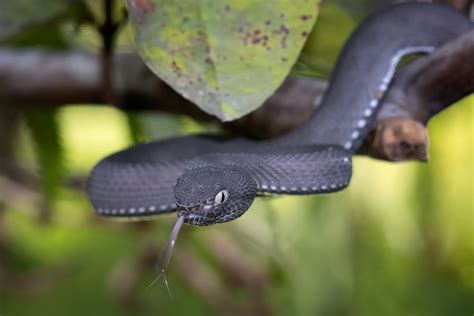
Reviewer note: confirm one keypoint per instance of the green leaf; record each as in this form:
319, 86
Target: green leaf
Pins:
45, 132
18, 15
225, 56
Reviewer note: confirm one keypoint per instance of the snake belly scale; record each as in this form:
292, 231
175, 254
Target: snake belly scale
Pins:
212, 179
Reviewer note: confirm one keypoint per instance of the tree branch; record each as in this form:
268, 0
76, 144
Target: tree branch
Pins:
421, 90
36, 78
40, 78
108, 31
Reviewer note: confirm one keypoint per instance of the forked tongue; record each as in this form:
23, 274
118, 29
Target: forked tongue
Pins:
166, 254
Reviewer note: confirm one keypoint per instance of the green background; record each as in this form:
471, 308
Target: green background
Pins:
398, 241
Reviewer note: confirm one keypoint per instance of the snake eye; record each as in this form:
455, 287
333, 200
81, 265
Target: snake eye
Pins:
221, 197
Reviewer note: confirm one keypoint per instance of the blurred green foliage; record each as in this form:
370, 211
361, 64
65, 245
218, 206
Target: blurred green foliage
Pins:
16, 16
399, 241
48, 150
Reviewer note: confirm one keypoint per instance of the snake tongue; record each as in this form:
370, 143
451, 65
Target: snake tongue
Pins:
166, 257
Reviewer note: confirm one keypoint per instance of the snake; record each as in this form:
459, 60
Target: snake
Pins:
209, 179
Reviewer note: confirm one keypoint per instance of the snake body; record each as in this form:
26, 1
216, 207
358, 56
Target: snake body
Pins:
212, 179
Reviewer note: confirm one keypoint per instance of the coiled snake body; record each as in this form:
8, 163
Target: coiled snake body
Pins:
214, 179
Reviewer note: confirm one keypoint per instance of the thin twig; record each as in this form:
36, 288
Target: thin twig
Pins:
108, 31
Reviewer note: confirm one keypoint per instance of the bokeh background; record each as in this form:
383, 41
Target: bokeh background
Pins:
398, 241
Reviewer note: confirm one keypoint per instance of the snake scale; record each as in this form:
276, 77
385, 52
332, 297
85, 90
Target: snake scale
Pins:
214, 179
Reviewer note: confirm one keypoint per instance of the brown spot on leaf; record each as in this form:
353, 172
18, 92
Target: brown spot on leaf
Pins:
284, 31
268, 22
304, 34
176, 69
255, 37
245, 38
305, 17
227, 8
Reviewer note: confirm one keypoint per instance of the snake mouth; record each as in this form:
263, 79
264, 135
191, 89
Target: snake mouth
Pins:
199, 214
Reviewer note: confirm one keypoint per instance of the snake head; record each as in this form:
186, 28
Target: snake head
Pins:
210, 195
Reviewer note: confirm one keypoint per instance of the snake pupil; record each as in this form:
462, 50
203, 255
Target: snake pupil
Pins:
221, 197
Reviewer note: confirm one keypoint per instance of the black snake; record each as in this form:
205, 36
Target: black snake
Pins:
212, 179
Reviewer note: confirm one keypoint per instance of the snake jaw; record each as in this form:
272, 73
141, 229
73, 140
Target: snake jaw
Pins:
196, 214
182, 211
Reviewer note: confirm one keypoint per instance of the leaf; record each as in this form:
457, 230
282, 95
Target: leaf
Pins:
44, 128
225, 56
18, 15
